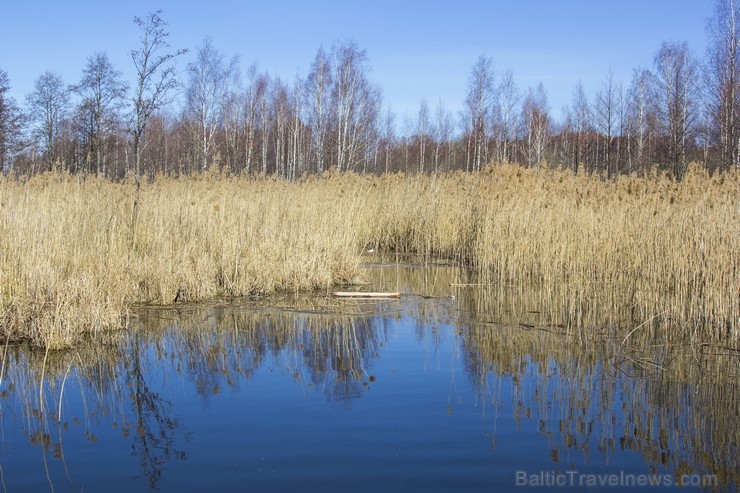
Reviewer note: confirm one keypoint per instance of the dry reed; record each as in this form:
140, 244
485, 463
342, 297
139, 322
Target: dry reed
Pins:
648, 248
69, 262
598, 253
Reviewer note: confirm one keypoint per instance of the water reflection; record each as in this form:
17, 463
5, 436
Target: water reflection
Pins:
590, 399
325, 347
595, 391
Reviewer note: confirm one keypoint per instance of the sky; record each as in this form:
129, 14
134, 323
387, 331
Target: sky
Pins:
417, 49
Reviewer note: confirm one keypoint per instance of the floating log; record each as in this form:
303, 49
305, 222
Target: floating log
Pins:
364, 294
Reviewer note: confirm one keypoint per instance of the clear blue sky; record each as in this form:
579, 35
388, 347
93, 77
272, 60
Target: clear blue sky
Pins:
421, 49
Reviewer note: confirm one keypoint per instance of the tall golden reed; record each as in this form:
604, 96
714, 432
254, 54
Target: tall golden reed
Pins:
69, 263
663, 251
648, 247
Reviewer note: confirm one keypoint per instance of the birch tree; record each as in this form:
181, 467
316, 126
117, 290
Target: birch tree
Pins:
423, 125
233, 124
355, 105
507, 117
640, 118
209, 81
479, 104
536, 116
297, 129
318, 88
280, 120
254, 115
676, 101
723, 80
263, 122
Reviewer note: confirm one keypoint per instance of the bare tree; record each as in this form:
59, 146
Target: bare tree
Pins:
676, 101
371, 130
155, 82
319, 84
209, 82
11, 124
536, 116
606, 112
479, 105
723, 80
582, 121
355, 106
388, 137
466, 132
263, 122
233, 123
423, 131
443, 130
102, 93
622, 123
407, 131
48, 107
640, 117
155, 78
280, 117
297, 129
254, 111
507, 116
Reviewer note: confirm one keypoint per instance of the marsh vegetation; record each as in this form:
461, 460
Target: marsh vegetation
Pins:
647, 252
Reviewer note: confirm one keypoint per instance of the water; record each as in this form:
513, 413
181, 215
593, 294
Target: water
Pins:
429, 393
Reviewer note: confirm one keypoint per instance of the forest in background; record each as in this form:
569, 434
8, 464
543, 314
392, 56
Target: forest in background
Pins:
215, 115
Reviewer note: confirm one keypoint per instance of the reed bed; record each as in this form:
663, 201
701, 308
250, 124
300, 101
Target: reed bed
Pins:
643, 252
72, 259
638, 251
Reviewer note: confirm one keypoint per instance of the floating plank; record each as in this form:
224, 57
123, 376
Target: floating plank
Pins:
480, 284
364, 294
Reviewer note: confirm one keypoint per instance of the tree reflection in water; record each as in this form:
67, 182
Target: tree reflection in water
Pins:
153, 440
675, 405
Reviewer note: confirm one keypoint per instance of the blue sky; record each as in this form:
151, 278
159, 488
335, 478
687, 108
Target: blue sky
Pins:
417, 49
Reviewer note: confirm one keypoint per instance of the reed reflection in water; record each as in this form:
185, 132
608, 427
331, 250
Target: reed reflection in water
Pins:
428, 392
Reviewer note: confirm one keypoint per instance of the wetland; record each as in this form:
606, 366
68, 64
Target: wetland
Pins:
456, 386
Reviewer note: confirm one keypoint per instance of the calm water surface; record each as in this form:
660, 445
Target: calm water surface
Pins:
309, 393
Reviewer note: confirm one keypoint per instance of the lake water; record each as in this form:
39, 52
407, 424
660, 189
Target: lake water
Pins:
450, 388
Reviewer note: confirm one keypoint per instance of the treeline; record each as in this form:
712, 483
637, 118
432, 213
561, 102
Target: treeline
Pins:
214, 115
